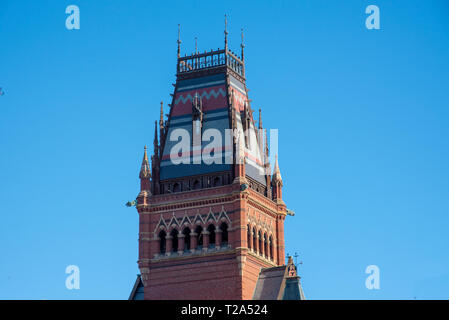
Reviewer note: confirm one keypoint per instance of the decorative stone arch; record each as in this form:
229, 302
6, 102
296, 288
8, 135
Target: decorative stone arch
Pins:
210, 217
173, 227
185, 221
199, 220
223, 217
173, 223
160, 224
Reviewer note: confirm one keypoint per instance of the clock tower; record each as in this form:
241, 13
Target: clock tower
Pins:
211, 213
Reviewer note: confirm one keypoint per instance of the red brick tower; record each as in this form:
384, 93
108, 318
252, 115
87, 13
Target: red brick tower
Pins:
211, 216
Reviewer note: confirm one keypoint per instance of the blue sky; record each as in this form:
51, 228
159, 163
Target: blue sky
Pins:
363, 119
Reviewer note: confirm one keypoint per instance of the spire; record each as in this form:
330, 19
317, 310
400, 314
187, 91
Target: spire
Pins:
226, 33
145, 169
196, 45
277, 183
179, 40
260, 118
161, 120
276, 171
155, 143
242, 45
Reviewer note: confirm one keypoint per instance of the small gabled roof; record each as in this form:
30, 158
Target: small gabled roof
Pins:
279, 283
269, 283
137, 291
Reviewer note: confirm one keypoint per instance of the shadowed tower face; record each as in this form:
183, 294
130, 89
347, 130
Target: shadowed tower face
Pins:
211, 215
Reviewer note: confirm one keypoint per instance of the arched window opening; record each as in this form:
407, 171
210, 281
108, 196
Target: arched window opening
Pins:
271, 247
224, 233
217, 182
186, 233
265, 245
211, 230
260, 242
254, 239
174, 235
199, 236
248, 236
162, 241
177, 187
196, 185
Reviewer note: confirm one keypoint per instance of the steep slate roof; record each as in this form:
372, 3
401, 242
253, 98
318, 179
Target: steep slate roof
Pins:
279, 283
137, 291
217, 78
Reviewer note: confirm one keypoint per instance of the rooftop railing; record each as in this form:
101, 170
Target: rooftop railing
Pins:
211, 59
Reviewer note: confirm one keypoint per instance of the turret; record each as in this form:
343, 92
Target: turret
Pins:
145, 174
276, 181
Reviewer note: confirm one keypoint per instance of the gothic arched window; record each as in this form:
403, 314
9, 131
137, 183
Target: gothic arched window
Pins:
260, 242
211, 230
174, 235
176, 187
271, 247
254, 239
196, 185
224, 233
186, 233
217, 182
162, 241
248, 236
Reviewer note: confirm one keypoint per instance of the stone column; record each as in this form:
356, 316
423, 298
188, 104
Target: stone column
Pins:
168, 245
205, 240
217, 237
251, 238
268, 249
256, 245
193, 242
262, 250
181, 243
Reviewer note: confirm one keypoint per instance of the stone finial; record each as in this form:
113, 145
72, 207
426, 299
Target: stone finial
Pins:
145, 172
276, 172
